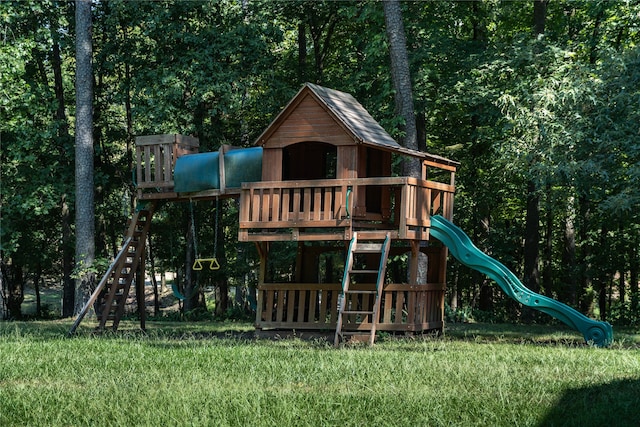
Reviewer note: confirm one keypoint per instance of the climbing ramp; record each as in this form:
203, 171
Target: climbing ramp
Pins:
461, 247
355, 303
110, 296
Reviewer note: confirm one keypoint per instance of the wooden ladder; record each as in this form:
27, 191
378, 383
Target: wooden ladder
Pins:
110, 296
349, 303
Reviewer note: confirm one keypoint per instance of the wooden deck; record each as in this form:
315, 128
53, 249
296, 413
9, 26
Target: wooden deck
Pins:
323, 210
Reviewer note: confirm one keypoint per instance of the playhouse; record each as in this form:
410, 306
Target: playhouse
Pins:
320, 177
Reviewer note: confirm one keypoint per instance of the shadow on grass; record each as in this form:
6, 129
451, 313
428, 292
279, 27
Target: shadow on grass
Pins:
611, 404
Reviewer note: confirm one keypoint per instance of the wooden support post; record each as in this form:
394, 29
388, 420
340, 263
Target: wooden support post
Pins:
263, 252
413, 262
140, 295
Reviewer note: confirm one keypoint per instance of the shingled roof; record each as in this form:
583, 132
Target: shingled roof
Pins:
354, 118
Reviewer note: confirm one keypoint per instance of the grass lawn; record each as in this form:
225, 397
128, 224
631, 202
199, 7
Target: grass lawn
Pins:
207, 374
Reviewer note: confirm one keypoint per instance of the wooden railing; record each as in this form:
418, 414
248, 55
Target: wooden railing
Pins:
156, 157
329, 209
411, 308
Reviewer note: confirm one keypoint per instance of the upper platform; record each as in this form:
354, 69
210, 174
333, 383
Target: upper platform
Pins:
321, 170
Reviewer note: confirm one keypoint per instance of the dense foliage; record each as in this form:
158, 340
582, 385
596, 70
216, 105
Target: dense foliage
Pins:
542, 114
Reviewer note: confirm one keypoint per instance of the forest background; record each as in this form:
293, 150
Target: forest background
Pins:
538, 100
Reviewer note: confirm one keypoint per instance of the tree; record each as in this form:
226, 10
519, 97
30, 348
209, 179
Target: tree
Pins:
35, 146
85, 215
401, 78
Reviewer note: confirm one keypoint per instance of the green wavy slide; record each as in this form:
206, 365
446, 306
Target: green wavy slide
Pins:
461, 247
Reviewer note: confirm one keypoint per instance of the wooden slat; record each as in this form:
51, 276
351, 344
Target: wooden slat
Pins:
158, 175
436, 202
334, 305
302, 297
280, 306
291, 304
366, 307
327, 212
275, 205
147, 164
269, 307
259, 305
313, 302
317, 204
388, 306
411, 307
338, 202
306, 209
245, 199
296, 204
399, 306
255, 205
265, 202
285, 205
324, 304
168, 163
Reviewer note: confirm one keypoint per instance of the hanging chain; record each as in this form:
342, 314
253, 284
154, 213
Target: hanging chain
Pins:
215, 233
193, 230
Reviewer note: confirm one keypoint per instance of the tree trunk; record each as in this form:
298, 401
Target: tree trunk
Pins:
302, 52
318, 26
36, 288
64, 139
532, 245
68, 283
85, 224
600, 280
478, 23
532, 231
154, 282
13, 289
539, 16
401, 76
3, 299
547, 270
568, 289
634, 266
585, 278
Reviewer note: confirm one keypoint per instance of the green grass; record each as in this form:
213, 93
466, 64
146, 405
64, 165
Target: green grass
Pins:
208, 374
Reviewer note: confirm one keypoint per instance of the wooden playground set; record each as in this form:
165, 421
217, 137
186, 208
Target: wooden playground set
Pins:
320, 175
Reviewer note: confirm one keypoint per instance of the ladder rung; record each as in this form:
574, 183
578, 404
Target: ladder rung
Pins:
363, 271
362, 248
361, 292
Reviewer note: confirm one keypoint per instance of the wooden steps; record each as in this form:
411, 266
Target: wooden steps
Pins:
110, 296
112, 300
354, 304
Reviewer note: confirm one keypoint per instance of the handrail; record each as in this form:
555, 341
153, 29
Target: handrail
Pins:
376, 181
101, 285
